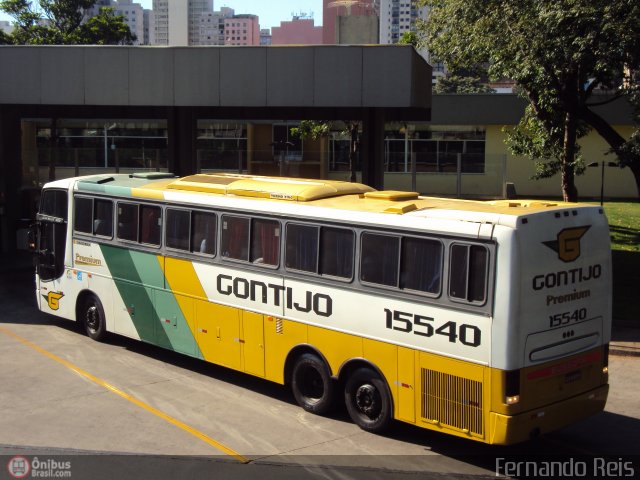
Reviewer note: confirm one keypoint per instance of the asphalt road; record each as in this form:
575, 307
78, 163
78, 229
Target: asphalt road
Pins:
123, 409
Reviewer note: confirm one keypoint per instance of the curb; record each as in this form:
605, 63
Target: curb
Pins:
624, 351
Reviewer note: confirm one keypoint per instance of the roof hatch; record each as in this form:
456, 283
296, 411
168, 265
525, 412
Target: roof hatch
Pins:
278, 188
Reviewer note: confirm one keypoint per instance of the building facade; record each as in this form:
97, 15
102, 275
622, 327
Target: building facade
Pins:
134, 15
242, 30
6, 27
212, 26
178, 22
332, 9
298, 31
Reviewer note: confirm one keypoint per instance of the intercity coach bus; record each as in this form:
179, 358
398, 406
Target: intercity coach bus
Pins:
485, 320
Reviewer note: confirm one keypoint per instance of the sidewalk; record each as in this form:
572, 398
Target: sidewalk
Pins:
625, 340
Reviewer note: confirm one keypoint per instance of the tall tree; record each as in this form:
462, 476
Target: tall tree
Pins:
62, 22
558, 52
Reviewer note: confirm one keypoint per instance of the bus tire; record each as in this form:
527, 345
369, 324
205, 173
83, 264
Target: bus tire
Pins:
368, 400
312, 385
93, 319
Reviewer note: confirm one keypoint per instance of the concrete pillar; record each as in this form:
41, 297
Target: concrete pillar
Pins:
372, 148
182, 130
10, 176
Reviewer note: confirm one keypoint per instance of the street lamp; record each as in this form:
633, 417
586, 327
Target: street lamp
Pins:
603, 164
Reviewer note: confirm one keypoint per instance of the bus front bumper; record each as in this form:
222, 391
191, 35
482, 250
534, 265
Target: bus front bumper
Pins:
507, 430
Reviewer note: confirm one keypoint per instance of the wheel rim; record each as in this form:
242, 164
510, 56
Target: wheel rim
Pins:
368, 401
311, 384
93, 318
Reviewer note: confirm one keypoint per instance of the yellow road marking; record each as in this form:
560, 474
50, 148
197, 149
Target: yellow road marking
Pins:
168, 418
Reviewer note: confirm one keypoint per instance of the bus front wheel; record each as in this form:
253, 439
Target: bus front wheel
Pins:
312, 385
93, 319
368, 400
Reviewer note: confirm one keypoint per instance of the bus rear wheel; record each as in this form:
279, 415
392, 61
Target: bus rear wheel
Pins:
312, 385
368, 400
93, 319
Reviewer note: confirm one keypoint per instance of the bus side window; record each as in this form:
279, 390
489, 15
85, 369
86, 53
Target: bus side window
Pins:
103, 218
235, 237
150, 224
421, 266
336, 252
302, 247
203, 237
128, 221
83, 210
379, 259
468, 273
178, 229
265, 241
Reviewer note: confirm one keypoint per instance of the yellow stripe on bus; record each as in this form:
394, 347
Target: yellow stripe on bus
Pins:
168, 418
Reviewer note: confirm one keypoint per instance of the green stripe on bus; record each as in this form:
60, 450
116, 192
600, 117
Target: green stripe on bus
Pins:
137, 297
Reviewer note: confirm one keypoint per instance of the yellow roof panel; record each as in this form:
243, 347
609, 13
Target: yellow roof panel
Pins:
277, 188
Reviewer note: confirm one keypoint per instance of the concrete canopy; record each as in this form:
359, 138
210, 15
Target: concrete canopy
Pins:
371, 84
393, 78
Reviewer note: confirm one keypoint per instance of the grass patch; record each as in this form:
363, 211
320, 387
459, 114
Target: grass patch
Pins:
624, 224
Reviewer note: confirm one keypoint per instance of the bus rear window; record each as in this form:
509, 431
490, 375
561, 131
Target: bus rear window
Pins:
468, 273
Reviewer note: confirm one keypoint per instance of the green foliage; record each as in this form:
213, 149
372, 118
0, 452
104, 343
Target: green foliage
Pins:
107, 29
558, 52
5, 39
409, 38
311, 129
461, 84
61, 22
314, 129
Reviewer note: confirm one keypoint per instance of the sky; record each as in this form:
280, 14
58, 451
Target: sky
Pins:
271, 12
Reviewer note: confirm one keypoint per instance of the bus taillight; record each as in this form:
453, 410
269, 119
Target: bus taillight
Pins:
512, 387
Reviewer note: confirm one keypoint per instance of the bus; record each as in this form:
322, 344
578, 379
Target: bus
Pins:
486, 320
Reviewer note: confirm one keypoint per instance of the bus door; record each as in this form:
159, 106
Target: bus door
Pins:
51, 234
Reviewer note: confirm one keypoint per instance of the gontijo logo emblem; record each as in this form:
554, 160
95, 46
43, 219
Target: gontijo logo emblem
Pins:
53, 299
567, 244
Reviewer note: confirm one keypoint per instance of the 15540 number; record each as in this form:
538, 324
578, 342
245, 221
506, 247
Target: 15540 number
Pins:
469, 335
567, 317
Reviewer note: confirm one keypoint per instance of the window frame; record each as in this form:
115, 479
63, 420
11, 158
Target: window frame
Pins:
398, 288
250, 219
319, 228
93, 201
137, 223
138, 240
466, 301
